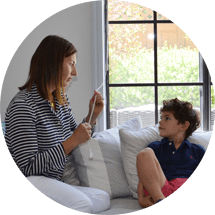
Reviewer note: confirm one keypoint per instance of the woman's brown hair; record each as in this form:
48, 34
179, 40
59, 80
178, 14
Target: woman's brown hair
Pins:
46, 67
183, 111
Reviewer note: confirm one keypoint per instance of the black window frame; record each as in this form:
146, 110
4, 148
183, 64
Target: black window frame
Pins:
205, 99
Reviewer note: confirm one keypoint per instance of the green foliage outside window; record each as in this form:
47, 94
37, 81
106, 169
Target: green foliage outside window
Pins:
174, 65
130, 62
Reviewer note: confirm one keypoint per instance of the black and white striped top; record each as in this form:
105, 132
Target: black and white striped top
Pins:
35, 132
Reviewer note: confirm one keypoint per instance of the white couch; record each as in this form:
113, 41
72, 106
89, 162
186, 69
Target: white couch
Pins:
112, 170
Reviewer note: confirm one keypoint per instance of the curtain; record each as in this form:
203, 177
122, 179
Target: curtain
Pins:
98, 56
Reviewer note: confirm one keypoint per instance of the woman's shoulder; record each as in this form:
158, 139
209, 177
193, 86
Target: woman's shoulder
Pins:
18, 100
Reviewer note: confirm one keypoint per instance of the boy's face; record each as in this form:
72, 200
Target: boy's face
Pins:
169, 126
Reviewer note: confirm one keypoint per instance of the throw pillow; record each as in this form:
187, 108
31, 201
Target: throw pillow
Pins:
201, 138
132, 142
69, 174
105, 171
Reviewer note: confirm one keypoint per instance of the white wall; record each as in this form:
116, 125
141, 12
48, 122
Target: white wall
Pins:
74, 24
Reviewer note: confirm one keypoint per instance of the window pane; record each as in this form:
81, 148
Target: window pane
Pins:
184, 93
131, 54
129, 102
121, 10
178, 57
161, 17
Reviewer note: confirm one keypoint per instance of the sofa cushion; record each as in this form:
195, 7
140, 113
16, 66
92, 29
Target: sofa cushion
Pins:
69, 173
132, 142
201, 138
123, 206
105, 171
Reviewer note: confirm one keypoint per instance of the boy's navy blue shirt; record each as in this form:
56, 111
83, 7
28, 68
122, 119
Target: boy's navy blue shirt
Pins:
180, 163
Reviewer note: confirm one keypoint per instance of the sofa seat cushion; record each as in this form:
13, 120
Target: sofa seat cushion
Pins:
123, 205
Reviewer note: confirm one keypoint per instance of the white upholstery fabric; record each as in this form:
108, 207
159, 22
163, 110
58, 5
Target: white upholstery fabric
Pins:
132, 142
106, 170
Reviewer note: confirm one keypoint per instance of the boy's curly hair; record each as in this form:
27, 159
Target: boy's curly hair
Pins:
183, 111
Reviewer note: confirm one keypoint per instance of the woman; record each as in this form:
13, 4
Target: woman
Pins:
40, 128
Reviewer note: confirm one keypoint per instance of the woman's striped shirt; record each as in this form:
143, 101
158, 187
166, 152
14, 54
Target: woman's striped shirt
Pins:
35, 133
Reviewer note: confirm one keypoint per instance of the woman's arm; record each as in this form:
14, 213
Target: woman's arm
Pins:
22, 140
73, 122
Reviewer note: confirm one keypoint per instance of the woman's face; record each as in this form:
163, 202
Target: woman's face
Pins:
69, 69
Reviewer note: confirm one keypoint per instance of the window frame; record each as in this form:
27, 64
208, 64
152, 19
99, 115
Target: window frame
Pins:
205, 98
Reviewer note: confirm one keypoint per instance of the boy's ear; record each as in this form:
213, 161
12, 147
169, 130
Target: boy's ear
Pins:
185, 125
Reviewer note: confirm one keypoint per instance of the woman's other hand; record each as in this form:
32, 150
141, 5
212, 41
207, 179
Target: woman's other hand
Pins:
99, 105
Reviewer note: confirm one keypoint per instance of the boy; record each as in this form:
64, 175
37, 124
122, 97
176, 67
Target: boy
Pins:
165, 165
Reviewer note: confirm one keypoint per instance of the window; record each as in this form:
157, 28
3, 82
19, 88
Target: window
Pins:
150, 60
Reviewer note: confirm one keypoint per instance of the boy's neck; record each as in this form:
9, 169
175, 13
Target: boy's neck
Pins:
177, 141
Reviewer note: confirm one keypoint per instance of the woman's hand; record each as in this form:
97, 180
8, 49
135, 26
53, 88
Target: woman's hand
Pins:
81, 134
99, 105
